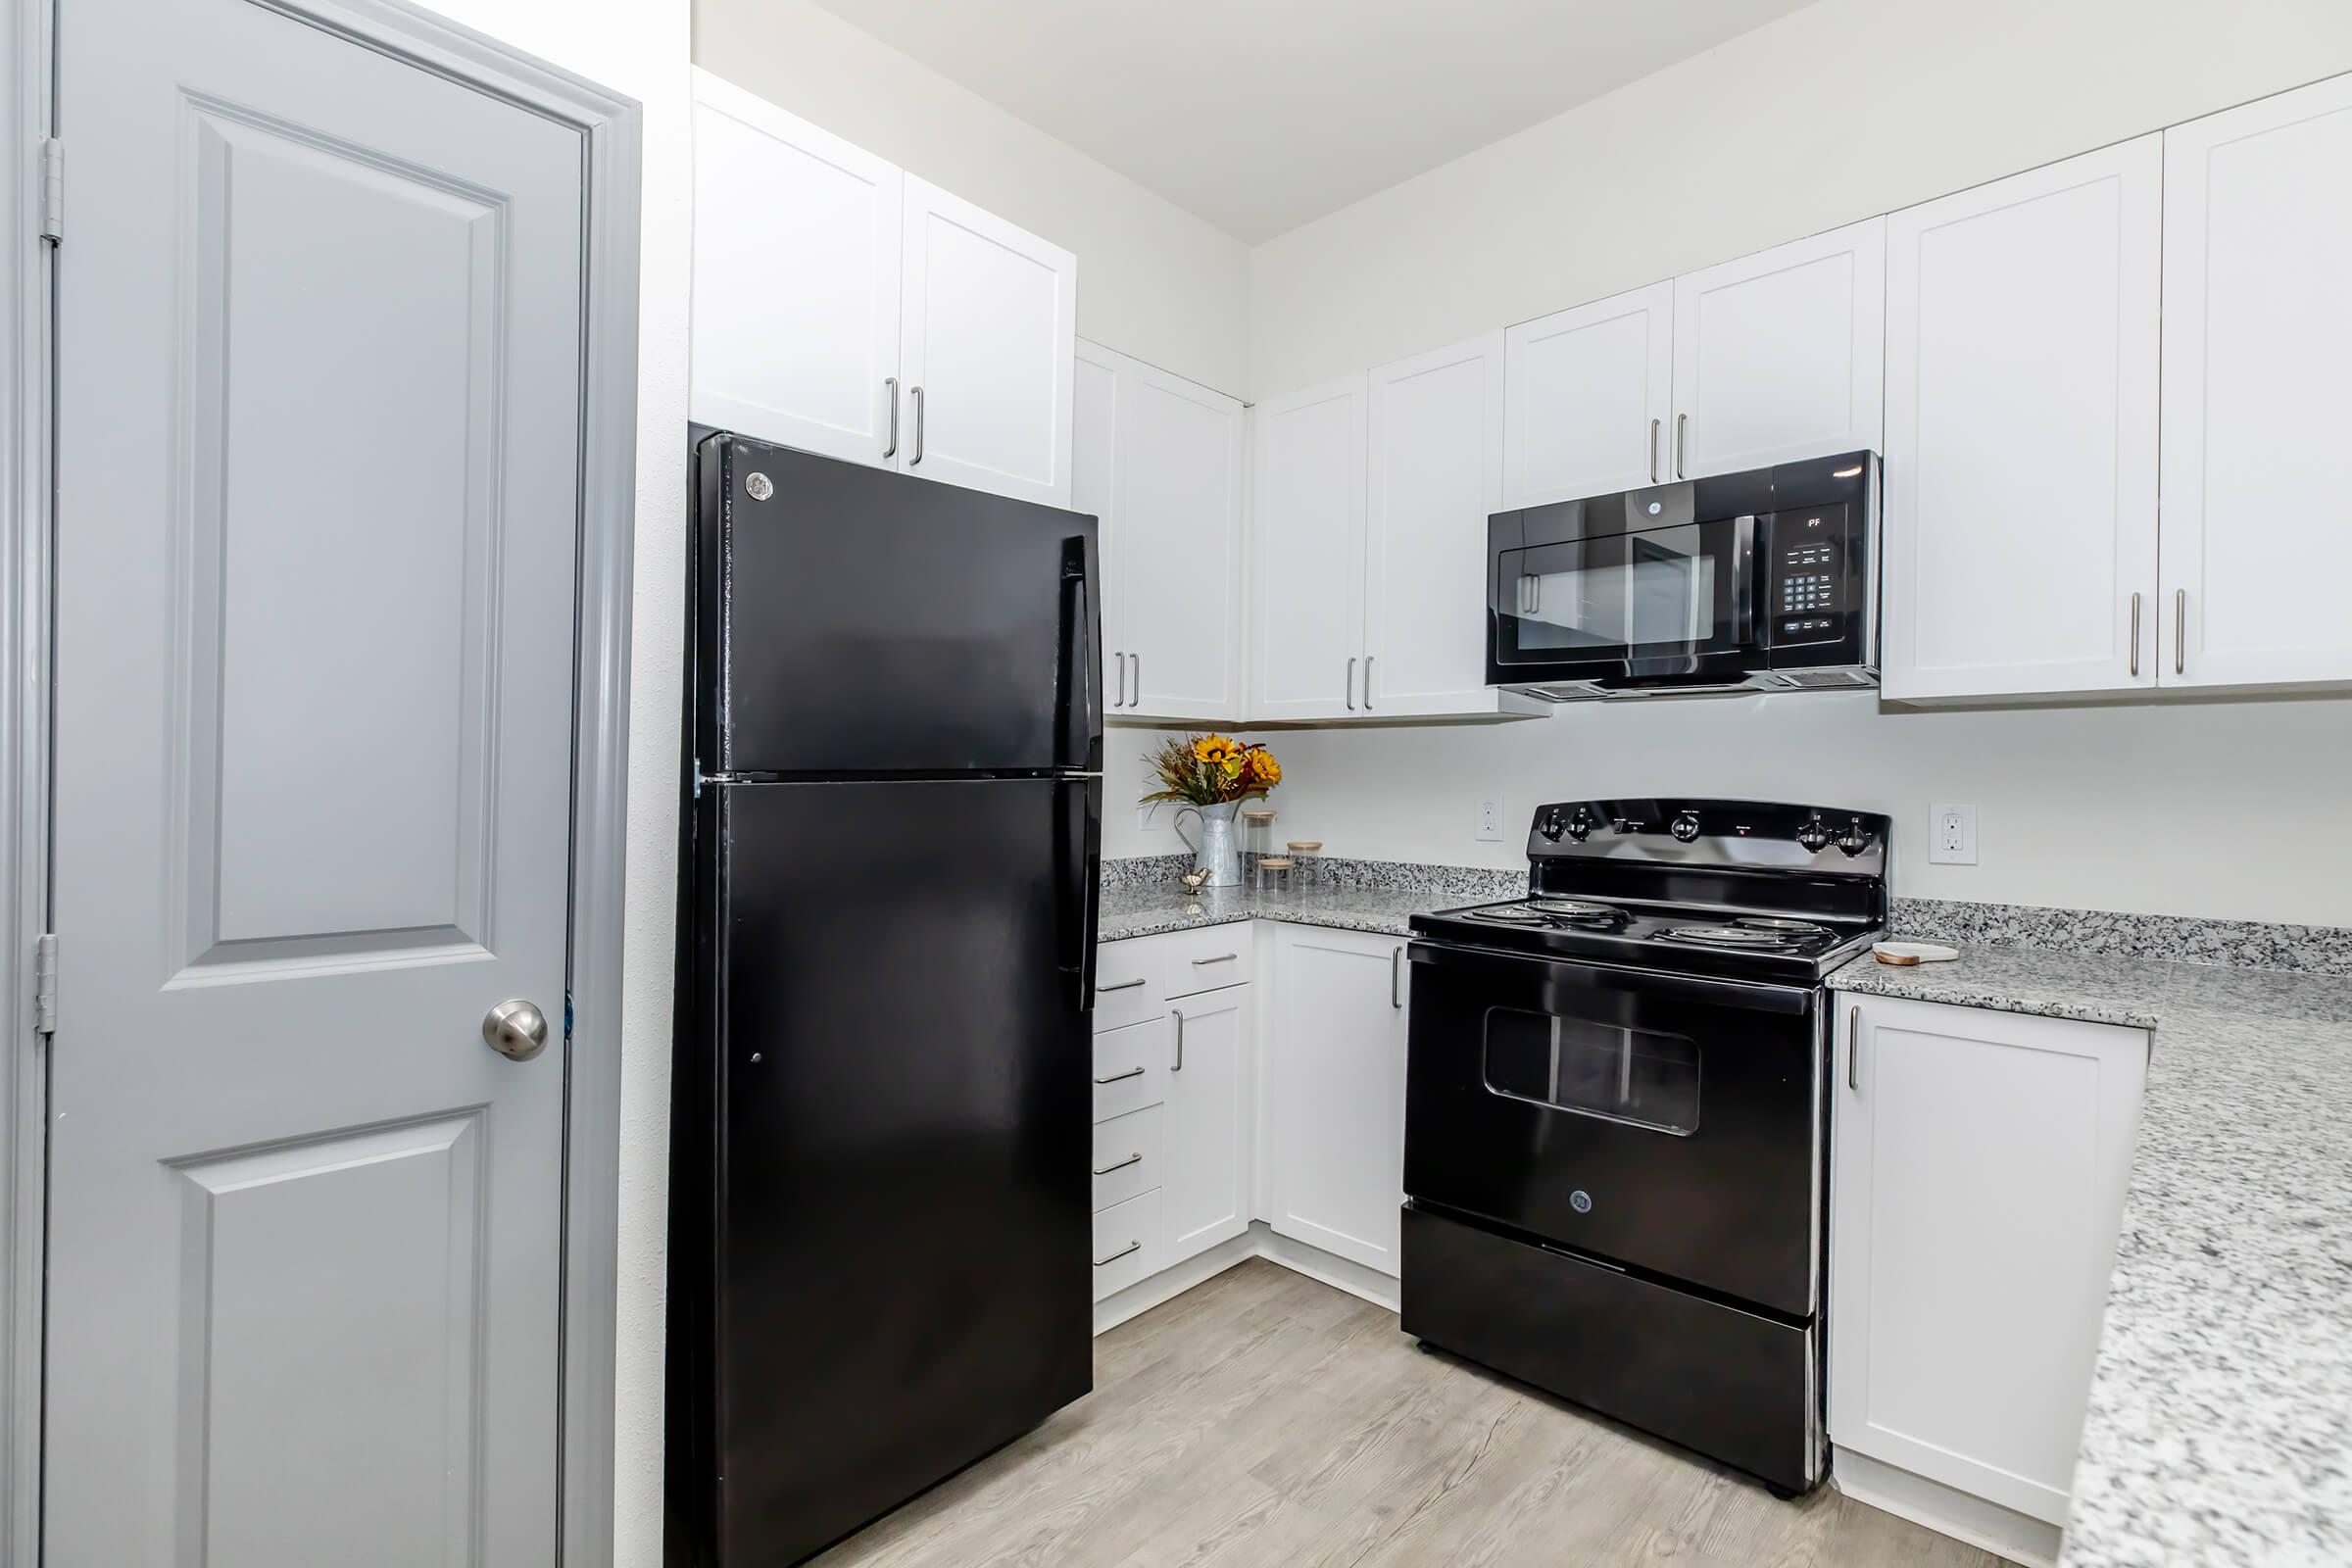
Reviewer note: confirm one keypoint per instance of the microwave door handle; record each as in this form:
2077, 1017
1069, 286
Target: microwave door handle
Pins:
1743, 581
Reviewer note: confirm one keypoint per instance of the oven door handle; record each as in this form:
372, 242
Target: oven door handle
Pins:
1608, 979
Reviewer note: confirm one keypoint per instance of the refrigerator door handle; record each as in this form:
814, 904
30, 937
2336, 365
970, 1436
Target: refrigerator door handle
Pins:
1081, 685
1081, 866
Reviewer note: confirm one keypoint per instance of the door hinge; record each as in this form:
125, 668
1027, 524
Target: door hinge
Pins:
53, 191
44, 984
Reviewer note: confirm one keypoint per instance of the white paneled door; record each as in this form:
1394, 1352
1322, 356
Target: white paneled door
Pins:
1591, 392
318, 420
1208, 1119
1780, 356
796, 279
2257, 392
1335, 1087
1435, 473
1307, 660
2022, 331
987, 331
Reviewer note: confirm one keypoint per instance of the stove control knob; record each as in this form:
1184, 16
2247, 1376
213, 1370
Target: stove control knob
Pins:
1580, 826
1814, 835
1550, 825
1685, 828
1856, 838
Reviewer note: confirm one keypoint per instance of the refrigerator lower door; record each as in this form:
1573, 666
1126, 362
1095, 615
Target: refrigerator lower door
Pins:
901, 1056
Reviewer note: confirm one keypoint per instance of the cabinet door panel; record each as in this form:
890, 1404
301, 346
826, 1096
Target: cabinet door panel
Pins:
796, 279
1436, 474
988, 336
2257, 338
1180, 521
1589, 395
1781, 354
1979, 1161
1307, 651
1207, 1111
1097, 401
1334, 1071
2023, 327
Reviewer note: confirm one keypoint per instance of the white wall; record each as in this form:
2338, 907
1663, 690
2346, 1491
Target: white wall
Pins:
1153, 281
639, 47
1844, 110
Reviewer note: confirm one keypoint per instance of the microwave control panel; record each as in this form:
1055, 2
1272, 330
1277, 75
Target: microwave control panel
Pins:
1806, 584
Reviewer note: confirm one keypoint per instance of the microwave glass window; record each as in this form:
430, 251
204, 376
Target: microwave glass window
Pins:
1667, 590
1640, 1076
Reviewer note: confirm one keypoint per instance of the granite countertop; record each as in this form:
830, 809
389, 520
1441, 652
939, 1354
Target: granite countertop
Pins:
1148, 911
2221, 1411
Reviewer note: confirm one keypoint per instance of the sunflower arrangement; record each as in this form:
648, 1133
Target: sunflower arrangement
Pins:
1211, 771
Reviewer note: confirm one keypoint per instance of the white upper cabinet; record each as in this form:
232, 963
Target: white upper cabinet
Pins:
989, 318
796, 279
1977, 1167
1435, 455
2257, 395
1590, 397
2022, 331
1780, 356
1307, 654
1158, 461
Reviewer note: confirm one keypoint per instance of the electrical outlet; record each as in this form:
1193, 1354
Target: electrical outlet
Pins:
1952, 835
1143, 817
1490, 822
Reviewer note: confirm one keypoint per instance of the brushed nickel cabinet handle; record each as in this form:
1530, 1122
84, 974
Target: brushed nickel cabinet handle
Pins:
1367, 683
1222, 958
1121, 1077
916, 393
1396, 967
1178, 1015
2179, 631
1352, 685
1131, 1159
1654, 427
2135, 633
892, 383
1135, 699
1131, 1247
1853, 1046
1682, 442
1124, 985
1120, 700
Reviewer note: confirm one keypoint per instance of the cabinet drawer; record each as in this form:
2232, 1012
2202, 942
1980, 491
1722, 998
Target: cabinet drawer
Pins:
1205, 959
1127, 983
1128, 1153
1131, 1067
1127, 1244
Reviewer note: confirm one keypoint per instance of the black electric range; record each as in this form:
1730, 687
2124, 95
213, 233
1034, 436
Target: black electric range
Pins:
1616, 1116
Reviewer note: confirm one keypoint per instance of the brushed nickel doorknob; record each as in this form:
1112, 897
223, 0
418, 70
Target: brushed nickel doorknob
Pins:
516, 1030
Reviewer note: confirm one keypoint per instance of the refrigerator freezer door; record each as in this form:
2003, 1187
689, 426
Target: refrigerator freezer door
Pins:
900, 1071
857, 621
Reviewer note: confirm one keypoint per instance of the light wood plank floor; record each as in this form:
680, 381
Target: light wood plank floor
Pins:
1266, 1419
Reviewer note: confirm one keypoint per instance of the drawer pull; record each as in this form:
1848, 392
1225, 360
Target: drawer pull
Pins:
1131, 1159
1121, 1077
1222, 958
1124, 985
1131, 1247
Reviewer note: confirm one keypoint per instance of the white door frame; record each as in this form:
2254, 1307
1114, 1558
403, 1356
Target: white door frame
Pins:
611, 127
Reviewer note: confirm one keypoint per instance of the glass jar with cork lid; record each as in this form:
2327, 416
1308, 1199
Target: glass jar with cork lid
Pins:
1258, 843
1306, 869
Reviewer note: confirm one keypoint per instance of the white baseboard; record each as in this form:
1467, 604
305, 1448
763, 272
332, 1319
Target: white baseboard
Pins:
2004, 1532
1258, 1241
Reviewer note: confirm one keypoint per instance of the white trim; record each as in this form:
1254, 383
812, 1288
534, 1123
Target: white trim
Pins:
25, 532
1258, 1241
1946, 1510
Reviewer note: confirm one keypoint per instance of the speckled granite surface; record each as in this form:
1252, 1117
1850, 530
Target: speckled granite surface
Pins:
1141, 897
2185, 939
2221, 1411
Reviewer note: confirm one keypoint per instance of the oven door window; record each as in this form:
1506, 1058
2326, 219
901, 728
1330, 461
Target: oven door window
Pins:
1675, 592
1638, 1076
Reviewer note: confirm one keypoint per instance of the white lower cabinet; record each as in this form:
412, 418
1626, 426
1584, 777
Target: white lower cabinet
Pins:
1335, 1092
1207, 1197
1129, 1243
1977, 1167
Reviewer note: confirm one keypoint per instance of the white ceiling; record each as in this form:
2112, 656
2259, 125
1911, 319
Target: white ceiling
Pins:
1261, 115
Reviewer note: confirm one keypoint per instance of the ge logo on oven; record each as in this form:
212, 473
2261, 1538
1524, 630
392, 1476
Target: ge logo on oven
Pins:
1580, 1200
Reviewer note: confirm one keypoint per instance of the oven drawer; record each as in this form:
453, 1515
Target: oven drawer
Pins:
1663, 1122
1733, 1385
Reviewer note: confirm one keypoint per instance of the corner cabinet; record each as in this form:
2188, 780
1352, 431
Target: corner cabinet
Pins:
2023, 327
1372, 497
1335, 1092
1979, 1161
845, 306
2257, 335
1158, 460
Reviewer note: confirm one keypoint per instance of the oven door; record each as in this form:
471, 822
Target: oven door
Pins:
1665, 603
1664, 1123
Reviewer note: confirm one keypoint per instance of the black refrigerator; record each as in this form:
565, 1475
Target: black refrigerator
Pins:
879, 1212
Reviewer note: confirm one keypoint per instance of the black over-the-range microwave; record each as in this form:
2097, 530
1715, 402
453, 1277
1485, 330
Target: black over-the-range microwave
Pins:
1759, 581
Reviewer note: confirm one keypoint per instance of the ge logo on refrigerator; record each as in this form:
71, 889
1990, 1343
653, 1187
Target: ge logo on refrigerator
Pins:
1580, 1200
